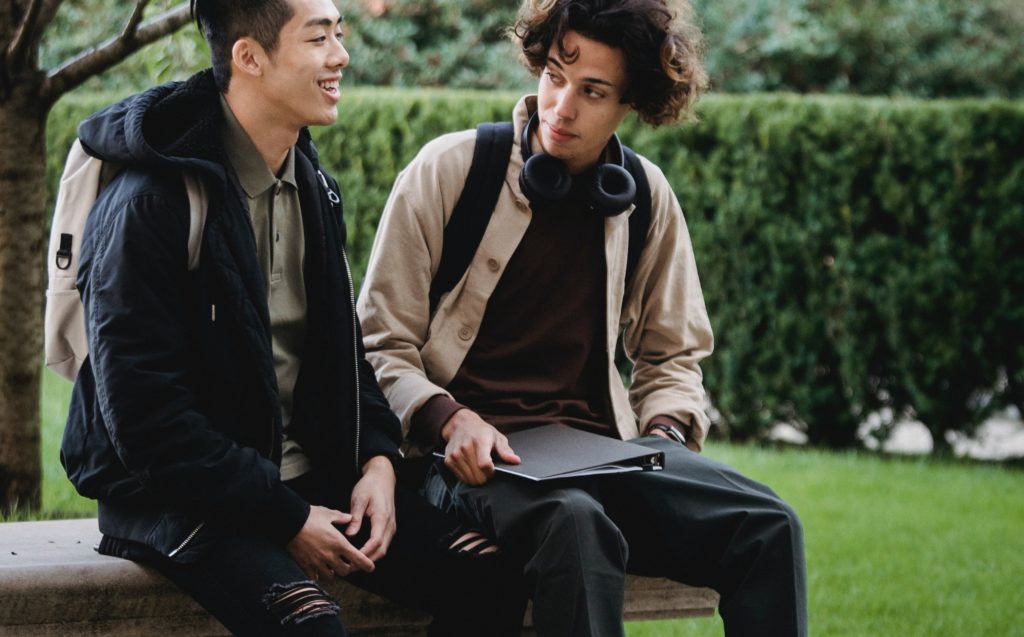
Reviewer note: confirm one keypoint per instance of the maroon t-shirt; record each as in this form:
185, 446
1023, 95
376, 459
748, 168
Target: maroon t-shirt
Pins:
539, 356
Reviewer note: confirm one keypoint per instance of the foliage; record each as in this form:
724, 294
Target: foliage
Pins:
451, 43
855, 253
175, 57
392, 43
923, 48
926, 48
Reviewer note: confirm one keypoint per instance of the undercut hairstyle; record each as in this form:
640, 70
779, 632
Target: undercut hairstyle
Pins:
660, 44
224, 22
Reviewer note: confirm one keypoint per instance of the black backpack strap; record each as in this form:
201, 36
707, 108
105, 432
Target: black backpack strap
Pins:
473, 211
640, 220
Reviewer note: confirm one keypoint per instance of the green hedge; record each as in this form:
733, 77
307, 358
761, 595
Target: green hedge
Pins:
856, 254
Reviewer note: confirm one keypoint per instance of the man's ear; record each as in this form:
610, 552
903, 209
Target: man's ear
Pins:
248, 57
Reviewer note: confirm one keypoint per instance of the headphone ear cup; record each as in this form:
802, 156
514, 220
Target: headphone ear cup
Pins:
545, 179
611, 189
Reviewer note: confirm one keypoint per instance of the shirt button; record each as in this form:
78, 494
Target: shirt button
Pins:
465, 333
493, 265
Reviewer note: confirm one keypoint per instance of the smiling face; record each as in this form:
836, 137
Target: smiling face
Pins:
578, 103
300, 78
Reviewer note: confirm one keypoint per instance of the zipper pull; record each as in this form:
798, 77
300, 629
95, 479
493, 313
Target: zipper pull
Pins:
213, 313
333, 196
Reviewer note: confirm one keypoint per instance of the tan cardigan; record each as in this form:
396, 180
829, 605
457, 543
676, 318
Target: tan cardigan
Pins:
416, 355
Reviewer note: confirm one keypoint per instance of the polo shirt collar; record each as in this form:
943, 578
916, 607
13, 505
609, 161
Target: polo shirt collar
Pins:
253, 174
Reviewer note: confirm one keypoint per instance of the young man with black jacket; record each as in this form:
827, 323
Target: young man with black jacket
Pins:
226, 418
527, 335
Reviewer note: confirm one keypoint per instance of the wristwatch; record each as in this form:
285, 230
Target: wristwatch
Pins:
670, 431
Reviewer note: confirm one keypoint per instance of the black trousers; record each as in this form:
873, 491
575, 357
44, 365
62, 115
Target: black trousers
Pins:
253, 587
698, 522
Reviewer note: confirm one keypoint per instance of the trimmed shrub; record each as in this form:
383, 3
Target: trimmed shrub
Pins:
924, 48
856, 254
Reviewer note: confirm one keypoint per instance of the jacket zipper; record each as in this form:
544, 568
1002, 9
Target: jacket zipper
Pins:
188, 539
355, 353
335, 200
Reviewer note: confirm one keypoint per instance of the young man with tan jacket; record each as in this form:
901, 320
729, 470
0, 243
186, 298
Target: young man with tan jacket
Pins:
527, 337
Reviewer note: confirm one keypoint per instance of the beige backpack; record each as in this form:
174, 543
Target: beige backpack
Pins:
84, 178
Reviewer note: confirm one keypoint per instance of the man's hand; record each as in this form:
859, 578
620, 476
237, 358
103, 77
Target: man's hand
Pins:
374, 497
321, 550
470, 444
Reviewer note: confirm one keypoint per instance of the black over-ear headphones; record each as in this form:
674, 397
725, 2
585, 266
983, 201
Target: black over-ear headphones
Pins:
546, 179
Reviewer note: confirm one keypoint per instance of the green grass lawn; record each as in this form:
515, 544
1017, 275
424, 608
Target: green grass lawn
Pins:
59, 498
895, 547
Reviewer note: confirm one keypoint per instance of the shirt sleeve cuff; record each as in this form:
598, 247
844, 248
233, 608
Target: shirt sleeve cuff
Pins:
426, 424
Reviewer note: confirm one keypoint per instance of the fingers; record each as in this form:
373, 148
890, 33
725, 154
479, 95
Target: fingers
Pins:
355, 559
466, 465
484, 463
471, 441
505, 451
358, 510
341, 518
345, 559
382, 530
321, 550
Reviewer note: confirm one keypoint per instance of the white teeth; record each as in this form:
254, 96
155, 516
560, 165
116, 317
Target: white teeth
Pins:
331, 86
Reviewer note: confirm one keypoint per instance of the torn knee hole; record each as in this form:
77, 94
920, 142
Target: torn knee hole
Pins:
296, 602
473, 543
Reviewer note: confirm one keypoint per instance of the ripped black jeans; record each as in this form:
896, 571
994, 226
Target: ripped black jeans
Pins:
253, 587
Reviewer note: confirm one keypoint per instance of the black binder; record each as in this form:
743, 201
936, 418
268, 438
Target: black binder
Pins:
550, 452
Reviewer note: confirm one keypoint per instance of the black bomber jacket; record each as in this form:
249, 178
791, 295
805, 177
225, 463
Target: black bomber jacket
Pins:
175, 425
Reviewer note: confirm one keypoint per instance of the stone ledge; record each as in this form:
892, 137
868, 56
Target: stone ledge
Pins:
53, 583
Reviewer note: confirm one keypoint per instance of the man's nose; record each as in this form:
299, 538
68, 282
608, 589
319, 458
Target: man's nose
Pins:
339, 56
565, 105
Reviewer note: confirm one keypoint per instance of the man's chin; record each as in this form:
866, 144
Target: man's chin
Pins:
326, 119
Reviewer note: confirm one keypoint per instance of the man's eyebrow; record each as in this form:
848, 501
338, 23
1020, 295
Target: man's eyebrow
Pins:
322, 21
588, 80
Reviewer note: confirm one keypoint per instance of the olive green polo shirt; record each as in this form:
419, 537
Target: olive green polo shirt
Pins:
280, 246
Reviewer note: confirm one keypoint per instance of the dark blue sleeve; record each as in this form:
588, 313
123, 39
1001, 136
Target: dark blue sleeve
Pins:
133, 278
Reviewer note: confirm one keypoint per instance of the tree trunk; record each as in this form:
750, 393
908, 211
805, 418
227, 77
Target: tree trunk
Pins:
22, 229
26, 95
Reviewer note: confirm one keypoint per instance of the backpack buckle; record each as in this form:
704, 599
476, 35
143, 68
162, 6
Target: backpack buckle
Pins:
63, 259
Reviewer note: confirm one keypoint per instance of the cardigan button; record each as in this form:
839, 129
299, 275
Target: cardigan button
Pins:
493, 265
465, 333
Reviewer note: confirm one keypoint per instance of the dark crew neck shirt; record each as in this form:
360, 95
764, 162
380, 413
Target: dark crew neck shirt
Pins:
539, 356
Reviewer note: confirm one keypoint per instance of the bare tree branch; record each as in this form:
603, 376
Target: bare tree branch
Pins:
23, 36
73, 72
134, 20
47, 14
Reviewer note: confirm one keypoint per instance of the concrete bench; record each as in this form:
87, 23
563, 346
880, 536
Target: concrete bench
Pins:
53, 583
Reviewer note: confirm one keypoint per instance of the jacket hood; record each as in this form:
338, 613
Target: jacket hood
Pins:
177, 124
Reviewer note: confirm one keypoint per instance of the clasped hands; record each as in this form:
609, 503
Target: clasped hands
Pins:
323, 548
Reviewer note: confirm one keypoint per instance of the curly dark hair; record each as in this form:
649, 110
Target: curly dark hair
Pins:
661, 46
223, 22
